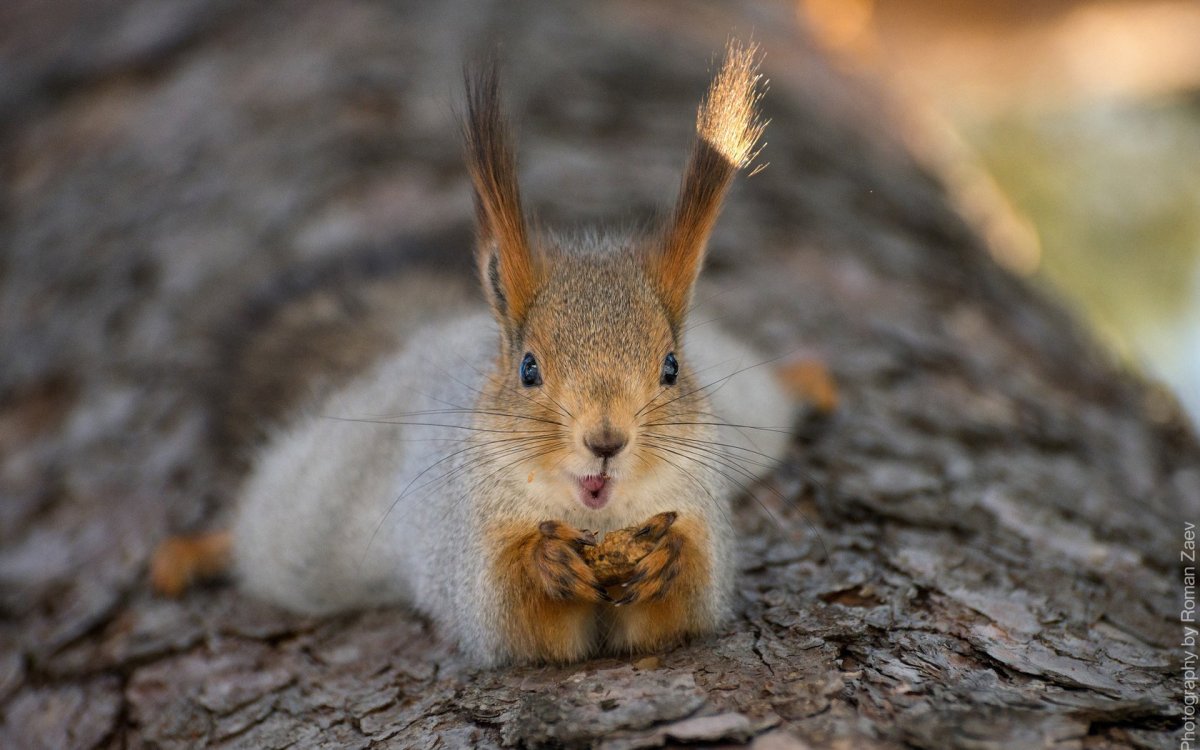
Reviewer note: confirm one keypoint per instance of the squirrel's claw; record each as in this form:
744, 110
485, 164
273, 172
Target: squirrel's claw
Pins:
562, 532
638, 576
658, 525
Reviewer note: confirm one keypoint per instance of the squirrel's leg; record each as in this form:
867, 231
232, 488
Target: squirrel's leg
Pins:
548, 593
183, 560
668, 596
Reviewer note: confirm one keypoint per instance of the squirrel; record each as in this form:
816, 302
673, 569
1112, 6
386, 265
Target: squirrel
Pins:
465, 474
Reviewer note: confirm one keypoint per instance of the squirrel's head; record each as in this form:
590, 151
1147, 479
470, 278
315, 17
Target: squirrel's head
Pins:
592, 382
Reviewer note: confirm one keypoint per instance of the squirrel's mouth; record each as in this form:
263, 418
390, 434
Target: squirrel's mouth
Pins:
594, 490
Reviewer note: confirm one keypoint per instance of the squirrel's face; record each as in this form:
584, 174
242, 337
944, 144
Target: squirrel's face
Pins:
592, 382
597, 379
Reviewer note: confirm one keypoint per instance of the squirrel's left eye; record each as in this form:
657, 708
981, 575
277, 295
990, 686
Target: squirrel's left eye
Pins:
530, 374
670, 369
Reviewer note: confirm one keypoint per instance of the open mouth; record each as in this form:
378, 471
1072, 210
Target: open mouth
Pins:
594, 490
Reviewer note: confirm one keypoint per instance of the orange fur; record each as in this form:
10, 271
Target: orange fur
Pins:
181, 561
508, 267
727, 130
551, 593
666, 586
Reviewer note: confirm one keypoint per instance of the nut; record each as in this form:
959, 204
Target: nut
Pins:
613, 560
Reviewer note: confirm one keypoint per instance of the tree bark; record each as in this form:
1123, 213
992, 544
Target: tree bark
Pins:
979, 549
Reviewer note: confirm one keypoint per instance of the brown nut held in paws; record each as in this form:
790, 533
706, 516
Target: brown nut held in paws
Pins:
613, 560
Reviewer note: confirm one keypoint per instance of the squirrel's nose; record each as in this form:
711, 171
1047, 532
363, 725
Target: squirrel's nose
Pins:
606, 442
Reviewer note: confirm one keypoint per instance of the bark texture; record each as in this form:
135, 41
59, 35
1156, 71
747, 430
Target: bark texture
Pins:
979, 549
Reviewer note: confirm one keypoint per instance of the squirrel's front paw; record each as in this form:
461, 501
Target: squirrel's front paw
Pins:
652, 576
559, 567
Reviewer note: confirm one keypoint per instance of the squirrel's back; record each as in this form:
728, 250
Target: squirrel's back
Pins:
321, 524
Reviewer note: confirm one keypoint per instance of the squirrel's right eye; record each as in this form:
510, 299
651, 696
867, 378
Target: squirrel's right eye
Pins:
670, 370
530, 374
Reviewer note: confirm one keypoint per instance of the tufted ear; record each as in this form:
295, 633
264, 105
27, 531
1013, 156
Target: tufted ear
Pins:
508, 267
727, 131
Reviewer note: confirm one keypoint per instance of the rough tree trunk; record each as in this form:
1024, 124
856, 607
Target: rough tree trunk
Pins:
979, 549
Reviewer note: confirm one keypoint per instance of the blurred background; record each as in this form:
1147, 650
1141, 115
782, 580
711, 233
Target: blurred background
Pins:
1070, 130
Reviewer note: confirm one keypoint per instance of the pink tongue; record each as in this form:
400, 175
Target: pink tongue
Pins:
593, 483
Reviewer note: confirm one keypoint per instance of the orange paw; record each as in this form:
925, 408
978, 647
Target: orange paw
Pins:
557, 565
665, 598
654, 574
549, 592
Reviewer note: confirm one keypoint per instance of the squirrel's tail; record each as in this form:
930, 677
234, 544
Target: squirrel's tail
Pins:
181, 561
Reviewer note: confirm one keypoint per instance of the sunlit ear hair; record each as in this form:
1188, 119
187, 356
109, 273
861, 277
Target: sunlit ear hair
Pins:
728, 129
508, 266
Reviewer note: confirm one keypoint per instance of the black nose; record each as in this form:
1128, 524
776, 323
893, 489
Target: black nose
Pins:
605, 443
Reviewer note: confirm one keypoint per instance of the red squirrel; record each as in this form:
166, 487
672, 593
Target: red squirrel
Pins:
466, 472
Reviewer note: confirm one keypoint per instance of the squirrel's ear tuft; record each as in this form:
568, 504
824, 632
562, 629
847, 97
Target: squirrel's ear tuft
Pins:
728, 130
508, 268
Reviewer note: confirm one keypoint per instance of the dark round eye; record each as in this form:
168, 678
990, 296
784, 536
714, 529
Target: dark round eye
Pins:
530, 374
670, 369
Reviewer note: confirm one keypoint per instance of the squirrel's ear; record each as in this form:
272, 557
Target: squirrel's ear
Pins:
727, 131
508, 268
